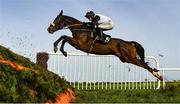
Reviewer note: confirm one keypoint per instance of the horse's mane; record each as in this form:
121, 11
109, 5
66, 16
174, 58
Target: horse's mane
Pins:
72, 19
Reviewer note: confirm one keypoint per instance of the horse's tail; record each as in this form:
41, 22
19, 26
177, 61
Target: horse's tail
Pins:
140, 50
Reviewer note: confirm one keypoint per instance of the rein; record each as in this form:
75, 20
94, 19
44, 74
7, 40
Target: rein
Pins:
79, 29
79, 24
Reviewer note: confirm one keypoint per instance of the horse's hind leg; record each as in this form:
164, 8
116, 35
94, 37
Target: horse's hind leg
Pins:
144, 65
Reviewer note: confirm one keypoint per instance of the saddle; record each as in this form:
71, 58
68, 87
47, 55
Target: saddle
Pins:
95, 35
96, 38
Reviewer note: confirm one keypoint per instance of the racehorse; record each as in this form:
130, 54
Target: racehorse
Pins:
127, 51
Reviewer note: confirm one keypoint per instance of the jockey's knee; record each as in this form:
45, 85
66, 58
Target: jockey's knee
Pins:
63, 36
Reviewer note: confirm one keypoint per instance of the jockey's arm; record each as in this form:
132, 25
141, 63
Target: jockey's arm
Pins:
95, 21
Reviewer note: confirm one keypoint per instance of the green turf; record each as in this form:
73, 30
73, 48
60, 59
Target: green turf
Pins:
117, 86
171, 94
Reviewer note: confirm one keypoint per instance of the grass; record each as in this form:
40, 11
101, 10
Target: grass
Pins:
118, 86
169, 95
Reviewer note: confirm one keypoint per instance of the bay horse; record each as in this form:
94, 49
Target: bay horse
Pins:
127, 51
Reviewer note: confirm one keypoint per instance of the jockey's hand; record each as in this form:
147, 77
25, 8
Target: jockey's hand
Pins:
84, 24
87, 24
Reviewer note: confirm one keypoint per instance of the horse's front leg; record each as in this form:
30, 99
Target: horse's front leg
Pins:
62, 48
56, 43
73, 42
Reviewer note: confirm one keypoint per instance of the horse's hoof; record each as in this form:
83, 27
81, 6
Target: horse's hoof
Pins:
65, 54
161, 78
157, 75
55, 49
155, 70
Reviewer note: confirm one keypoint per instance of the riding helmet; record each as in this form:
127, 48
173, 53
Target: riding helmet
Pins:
90, 14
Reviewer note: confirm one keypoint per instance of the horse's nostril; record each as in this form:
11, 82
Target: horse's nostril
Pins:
50, 30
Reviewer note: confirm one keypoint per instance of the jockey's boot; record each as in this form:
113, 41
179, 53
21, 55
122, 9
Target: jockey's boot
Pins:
101, 37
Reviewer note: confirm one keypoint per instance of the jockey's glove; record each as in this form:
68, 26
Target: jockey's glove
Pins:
87, 24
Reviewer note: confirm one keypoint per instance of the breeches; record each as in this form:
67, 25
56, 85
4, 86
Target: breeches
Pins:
107, 25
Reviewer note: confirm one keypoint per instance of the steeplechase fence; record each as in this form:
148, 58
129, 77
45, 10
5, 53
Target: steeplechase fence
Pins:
102, 72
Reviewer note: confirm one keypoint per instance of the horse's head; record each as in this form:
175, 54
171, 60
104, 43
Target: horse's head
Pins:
62, 21
57, 24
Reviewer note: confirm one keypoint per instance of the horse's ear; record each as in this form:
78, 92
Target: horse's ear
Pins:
61, 13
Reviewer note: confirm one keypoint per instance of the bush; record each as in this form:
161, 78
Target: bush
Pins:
35, 85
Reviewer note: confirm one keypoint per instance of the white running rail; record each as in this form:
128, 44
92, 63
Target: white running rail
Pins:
102, 71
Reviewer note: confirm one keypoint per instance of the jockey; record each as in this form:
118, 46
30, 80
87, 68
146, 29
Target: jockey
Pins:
101, 22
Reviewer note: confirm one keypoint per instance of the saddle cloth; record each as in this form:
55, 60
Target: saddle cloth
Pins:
105, 36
